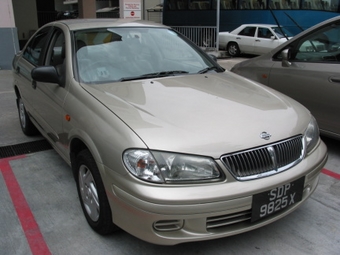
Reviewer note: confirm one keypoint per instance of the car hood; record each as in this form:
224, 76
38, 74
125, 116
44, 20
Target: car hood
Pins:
208, 114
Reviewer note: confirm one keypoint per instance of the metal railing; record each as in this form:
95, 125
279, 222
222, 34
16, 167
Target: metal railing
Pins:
204, 37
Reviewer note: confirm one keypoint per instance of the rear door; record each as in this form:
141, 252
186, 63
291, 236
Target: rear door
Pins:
265, 41
313, 78
246, 39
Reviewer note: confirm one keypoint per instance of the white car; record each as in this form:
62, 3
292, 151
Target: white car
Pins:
255, 39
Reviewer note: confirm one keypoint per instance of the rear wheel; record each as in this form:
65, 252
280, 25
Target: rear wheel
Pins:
233, 49
26, 124
92, 195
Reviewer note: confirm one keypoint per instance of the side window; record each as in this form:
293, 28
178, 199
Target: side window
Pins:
320, 46
264, 33
199, 5
56, 51
248, 31
34, 49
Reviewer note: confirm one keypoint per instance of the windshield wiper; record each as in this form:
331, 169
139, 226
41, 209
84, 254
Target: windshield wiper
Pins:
167, 73
205, 70
154, 75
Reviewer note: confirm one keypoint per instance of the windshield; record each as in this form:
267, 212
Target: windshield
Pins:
279, 31
121, 54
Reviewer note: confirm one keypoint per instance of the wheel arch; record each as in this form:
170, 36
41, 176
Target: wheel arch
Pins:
233, 42
17, 93
77, 145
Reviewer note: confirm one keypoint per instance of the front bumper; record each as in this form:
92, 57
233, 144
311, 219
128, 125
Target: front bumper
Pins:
169, 215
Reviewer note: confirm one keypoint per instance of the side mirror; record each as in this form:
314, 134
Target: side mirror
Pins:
46, 74
286, 53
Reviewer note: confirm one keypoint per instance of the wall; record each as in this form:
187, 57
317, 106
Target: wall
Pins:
26, 18
8, 35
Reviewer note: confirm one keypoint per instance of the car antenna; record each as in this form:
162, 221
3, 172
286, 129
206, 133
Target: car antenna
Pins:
294, 21
277, 22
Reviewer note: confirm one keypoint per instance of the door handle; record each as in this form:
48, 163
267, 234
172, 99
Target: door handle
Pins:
257, 40
334, 79
238, 38
17, 70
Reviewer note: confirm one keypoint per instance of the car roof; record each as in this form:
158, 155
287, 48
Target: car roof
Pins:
78, 24
260, 25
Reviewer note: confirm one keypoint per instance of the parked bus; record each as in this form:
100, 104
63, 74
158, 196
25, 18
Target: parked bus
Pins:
292, 14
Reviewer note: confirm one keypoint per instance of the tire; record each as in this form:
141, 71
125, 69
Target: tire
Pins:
26, 124
233, 49
92, 195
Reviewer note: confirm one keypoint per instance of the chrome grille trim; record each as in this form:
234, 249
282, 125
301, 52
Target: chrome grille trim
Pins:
266, 160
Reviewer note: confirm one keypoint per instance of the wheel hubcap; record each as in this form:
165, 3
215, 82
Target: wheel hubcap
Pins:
89, 195
232, 50
22, 114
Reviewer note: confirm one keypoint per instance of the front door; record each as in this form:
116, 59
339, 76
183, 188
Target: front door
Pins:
313, 78
50, 97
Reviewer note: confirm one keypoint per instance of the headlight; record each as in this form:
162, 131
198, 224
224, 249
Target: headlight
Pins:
311, 135
166, 167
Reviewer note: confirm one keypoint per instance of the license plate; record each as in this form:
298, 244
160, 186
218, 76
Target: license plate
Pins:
277, 199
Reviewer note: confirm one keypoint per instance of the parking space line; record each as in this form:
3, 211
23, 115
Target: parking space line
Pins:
29, 225
331, 173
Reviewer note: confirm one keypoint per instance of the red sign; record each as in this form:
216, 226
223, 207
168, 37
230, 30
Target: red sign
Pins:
132, 13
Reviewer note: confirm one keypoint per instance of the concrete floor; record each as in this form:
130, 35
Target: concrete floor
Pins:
40, 211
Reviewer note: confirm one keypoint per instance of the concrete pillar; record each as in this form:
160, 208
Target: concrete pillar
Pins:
87, 9
8, 35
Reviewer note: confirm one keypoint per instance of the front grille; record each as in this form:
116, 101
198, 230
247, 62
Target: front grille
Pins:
229, 219
266, 160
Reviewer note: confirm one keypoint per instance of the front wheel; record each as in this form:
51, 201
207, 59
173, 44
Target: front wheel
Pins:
26, 124
92, 195
233, 49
